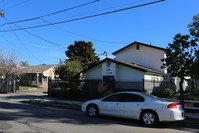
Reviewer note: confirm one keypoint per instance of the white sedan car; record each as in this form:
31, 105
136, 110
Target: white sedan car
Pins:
135, 105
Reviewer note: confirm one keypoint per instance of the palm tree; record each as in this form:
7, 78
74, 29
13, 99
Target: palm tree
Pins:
24, 63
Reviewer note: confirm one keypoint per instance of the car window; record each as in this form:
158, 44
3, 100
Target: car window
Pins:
113, 98
154, 97
132, 98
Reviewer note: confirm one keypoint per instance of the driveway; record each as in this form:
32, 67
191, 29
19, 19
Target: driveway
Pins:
17, 117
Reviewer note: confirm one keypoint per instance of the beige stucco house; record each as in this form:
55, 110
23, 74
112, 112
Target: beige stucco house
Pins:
37, 75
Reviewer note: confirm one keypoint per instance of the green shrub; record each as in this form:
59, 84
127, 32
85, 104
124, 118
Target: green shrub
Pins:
168, 93
176, 96
187, 96
157, 94
196, 98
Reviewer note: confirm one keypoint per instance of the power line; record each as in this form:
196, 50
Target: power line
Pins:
27, 56
93, 11
36, 35
51, 13
84, 35
22, 42
91, 16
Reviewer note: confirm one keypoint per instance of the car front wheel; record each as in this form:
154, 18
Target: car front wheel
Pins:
92, 111
149, 118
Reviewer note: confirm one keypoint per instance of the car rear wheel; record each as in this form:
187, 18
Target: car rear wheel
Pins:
149, 118
92, 111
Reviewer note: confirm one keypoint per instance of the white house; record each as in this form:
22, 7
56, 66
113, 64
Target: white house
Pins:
113, 69
134, 63
136, 66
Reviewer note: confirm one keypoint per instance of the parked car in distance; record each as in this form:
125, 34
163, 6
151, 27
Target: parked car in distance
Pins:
135, 105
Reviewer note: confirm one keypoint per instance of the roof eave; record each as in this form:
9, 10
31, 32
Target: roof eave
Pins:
140, 69
156, 74
140, 44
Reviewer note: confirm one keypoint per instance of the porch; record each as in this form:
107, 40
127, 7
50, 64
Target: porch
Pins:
32, 79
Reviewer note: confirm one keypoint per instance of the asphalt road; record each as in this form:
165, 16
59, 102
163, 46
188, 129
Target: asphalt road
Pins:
17, 117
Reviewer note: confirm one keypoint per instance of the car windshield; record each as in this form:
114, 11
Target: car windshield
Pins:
154, 97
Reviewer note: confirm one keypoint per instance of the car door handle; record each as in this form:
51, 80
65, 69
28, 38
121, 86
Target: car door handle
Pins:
138, 104
117, 103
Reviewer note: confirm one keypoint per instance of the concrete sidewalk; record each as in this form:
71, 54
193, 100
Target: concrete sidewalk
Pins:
36, 96
49, 99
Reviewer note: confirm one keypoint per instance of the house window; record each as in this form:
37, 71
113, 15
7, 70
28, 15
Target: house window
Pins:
40, 78
138, 47
44, 78
33, 77
154, 79
108, 64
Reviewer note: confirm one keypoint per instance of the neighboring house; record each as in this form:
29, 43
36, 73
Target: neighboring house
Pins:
37, 75
137, 62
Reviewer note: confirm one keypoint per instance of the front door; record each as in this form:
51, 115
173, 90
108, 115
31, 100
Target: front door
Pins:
108, 84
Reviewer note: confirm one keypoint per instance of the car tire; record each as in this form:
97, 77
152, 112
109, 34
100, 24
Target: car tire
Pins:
92, 111
149, 118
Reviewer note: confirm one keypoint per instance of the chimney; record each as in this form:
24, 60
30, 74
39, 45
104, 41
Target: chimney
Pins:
134, 63
150, 43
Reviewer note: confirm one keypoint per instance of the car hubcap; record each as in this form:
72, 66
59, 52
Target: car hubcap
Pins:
92, 111
148, 118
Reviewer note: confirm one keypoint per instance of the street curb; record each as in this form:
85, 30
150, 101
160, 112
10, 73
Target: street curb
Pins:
53, 105
191, 110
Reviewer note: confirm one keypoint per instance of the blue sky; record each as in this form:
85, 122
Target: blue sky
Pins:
156, 24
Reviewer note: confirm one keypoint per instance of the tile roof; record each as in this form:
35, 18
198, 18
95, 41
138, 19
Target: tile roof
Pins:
147, 45
36, 68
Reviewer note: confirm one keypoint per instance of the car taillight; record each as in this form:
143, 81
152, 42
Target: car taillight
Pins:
173, 105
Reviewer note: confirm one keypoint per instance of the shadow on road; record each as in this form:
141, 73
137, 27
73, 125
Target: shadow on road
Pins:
37, 113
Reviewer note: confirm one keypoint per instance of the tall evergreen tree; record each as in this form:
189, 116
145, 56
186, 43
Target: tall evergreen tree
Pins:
83, 52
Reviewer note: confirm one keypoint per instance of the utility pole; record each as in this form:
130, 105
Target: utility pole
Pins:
106, 53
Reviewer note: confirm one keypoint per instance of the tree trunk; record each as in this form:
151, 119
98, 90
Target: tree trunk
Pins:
192, 86
181, 92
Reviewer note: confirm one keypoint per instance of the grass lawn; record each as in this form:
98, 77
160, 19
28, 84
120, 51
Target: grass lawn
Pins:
28, 87
50, 102
72, 99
